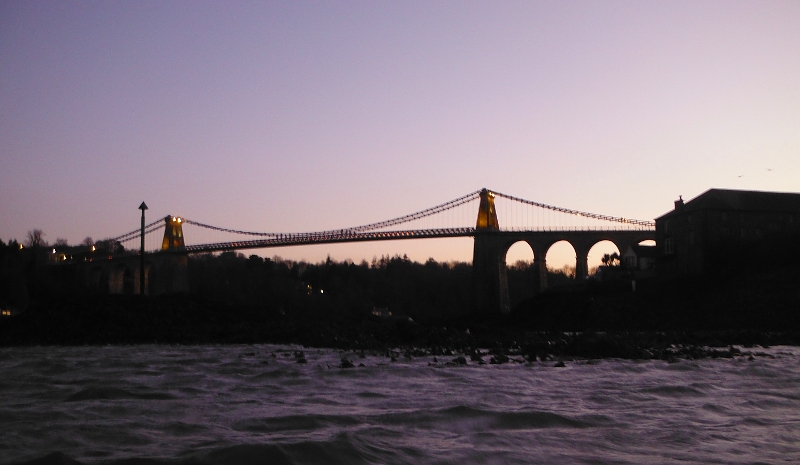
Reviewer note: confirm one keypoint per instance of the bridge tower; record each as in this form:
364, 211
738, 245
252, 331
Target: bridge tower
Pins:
489, 278
173, 233
173, 273
487, 216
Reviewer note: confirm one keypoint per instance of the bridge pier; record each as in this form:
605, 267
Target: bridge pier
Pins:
540, 263
489, 278
581, 264
165, 273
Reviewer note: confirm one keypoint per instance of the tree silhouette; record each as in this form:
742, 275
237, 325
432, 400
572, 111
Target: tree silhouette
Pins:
610, 260
35, 238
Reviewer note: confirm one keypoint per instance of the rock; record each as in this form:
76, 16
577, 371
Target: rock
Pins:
346, 364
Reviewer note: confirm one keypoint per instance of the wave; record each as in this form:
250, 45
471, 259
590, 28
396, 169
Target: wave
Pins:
673, 391
475, 419
294, 423
112, 393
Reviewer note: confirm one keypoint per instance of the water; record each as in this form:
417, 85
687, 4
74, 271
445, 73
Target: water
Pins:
256, 404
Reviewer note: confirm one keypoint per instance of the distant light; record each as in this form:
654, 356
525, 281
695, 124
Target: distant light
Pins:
20, 247
93, 249
179, 219
54, 250
321, 291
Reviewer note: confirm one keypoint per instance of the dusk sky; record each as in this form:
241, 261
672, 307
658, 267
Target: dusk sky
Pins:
306, 116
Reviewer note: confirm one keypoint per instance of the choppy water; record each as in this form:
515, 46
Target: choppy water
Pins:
256, 404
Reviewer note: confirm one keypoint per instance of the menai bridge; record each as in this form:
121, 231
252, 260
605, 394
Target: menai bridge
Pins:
117, 269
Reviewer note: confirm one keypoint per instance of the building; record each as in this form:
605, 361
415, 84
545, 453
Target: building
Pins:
639, 258
724, 227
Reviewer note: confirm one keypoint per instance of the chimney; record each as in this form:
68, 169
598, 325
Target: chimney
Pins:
679, 204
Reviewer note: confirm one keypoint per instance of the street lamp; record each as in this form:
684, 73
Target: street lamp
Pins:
142, 207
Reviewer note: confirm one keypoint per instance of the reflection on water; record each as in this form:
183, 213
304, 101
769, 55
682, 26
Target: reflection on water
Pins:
258, 404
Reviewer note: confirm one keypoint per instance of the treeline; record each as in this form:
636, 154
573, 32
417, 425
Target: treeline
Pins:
19, 268
26, 273
393, 285
389, 284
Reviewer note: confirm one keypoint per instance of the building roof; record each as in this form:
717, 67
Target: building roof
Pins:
644, 251
737, 200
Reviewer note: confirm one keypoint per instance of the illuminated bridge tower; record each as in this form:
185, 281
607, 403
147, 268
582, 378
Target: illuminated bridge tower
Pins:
173, 233
489, 279
173, 269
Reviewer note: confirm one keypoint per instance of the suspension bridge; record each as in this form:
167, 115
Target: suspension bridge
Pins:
502, 220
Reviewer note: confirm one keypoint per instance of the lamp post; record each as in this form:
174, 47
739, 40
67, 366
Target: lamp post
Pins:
142, 207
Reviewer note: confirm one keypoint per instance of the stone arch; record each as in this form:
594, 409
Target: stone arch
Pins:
97, 281
516, 250
148, 280
523, 281
564, 257
121, 280
598, 249
489, 273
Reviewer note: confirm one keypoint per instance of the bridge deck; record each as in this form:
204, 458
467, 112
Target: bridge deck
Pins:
347, 236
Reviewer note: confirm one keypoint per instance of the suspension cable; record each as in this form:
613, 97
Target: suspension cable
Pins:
367, 227
235, 231
418, 215
596, 216
147, 230
137, 232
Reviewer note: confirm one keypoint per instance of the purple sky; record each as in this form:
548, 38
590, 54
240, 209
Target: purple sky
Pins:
304, 116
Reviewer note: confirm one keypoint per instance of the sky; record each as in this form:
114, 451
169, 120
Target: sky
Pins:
306, 116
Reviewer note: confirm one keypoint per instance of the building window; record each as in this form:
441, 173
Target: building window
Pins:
691, 237
669, 247
666, 226
743, 233
723, 216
